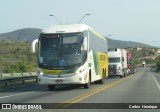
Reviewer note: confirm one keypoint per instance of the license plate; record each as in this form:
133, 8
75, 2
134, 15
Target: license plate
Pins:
58, 81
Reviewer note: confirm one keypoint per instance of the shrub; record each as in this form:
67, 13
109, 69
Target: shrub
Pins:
158, 64
21, 66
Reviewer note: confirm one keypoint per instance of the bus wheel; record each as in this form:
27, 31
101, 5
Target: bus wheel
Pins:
86, 86
101, 81
51, 87
103, 76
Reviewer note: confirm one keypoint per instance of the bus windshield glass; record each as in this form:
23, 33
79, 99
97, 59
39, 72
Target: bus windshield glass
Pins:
114, 60
60, 50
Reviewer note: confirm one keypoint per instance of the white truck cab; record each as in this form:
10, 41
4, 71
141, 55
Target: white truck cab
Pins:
143, 63
117, 62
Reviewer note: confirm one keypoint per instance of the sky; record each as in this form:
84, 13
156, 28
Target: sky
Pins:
128, 20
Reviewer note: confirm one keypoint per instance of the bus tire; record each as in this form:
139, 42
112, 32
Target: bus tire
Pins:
51, 87
86, 86
101, 81
103, 76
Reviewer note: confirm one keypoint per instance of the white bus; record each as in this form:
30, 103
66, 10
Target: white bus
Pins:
71, 54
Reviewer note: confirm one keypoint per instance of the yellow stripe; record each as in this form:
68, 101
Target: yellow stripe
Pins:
90, 93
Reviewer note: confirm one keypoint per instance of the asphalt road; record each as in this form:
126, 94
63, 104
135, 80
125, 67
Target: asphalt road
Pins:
141, 87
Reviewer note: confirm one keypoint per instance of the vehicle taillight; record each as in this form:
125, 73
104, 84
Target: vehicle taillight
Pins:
129, 66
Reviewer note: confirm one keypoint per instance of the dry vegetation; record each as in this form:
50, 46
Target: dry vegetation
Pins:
16, 57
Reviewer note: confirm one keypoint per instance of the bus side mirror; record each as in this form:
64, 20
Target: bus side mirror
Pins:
85, 43
33, 45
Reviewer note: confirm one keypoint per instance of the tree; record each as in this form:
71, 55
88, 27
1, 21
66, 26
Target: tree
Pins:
158, 63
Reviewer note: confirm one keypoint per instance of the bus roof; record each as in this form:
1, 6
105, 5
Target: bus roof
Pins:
68, 28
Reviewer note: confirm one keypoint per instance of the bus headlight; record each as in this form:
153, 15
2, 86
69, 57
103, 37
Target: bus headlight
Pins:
39, 71
81, 70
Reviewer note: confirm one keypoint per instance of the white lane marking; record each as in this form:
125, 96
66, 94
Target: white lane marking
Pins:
16, 87
19, 94
14, 95
156, 82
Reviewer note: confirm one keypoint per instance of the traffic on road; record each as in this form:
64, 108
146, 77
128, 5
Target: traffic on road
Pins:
76, 70
141, 88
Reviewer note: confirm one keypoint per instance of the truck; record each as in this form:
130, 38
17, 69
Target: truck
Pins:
117, 62
130, 63
143, 63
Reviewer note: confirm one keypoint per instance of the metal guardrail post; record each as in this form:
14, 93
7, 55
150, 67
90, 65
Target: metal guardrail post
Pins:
12, 75
36, 79
22, 73
6, 84
1, 75
23, 81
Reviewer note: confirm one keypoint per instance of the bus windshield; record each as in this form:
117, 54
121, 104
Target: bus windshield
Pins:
60, 50
114, 60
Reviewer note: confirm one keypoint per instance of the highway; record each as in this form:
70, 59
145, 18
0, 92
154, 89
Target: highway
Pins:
141, 87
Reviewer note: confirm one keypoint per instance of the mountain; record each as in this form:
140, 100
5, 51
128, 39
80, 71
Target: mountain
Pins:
125, 44
26, 34
29, 34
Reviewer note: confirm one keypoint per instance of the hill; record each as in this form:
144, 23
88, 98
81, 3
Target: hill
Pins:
16, 57
29, 34
22, 35
125, 44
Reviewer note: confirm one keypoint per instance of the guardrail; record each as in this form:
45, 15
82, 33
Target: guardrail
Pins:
15, 77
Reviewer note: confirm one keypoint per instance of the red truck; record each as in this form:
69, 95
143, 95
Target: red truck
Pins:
130, 63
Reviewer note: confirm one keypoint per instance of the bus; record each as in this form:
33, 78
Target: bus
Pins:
71, 54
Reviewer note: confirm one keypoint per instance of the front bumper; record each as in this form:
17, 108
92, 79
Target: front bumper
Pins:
117, 73
76, 79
